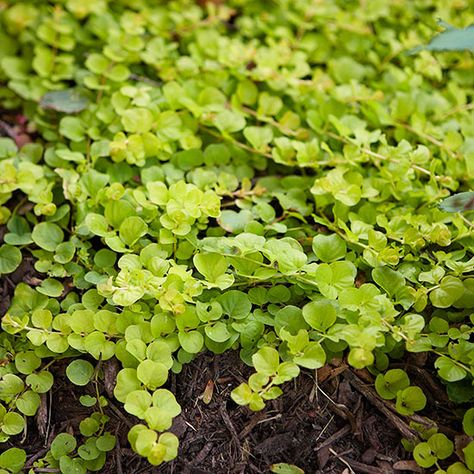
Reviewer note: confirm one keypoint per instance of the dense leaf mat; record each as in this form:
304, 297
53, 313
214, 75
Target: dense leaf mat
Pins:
261, 176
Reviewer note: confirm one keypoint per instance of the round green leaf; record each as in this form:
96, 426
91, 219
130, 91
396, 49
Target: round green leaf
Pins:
12, 423
10, 386
13, 459
312, 357
192, 341
320, 315
329, 248
88, 451
27, 362
47, 235
10, 258
441, 446
28, 403
409, 400
137, 403
468, 422
242, 394
360, 357
217, 332
390, 383
469, 455
423, 455
127, 381
235, 304
72, 466
40, 382
106, 442
87, 401
63, 444
80, 372
152, 374
51, 287
266, 361
449, 291
88, 426
449, 370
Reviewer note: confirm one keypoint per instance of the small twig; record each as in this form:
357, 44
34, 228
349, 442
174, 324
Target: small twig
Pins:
342, 460
322, 432
36, 456
227, 421
459, 108
118, 456
334, 437
276, 417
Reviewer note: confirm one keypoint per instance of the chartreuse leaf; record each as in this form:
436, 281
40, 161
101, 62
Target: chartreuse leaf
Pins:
106, 442
10, 258
266, 361
423, 455
441, 446
390, 280
390, 383
160, 416
283, 468
242, 395
360, 357
47, 235
468, 452
437, 447
448, 291
63, 444
311, 357
320, 315
12, 423
89, 426
127, 381
40, 382
80, 372
409, 400
213, 267
73, 466
235, 304
28, 403
258, 137
137, 403
329, 248
27, 362
468, 422
152, 374
449, 370
13, 459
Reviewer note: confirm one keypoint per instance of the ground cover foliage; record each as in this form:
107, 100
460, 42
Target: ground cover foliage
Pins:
259, 176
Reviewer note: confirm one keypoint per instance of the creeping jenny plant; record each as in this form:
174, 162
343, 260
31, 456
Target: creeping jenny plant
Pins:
255, 176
